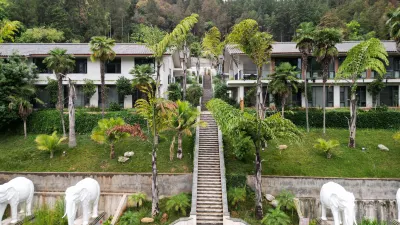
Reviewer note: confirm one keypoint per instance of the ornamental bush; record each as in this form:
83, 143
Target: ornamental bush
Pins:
47, 121
193, 94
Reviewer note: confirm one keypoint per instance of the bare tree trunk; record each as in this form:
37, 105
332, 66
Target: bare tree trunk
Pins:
103, 88
71, 115
158, 81
184, 71
179, 153
60, 102
324, 79
198, 70
304, 71
112, 151
283, 106
154, 184
51, 154
259, 197
353, 119
25, 132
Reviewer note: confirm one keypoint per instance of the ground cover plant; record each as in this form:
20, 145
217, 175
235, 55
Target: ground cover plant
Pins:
19, 154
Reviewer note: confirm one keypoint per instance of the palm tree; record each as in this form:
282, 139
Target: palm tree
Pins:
283, 82
213, 45
61, 63
304, 39
182, 121
49, 142
102, 50
22, 103
394, 26
8, 29
142, 76
325, 50
370, 54
258, 46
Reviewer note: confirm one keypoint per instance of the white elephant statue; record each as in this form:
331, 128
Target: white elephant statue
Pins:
341, 203
16, 191
86, 192
398, 204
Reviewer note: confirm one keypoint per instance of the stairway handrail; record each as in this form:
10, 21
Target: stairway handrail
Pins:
193, 211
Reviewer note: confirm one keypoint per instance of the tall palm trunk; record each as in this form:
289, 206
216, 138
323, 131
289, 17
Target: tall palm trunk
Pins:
184, 72
25, 132
324, 79
259, 197
179, 153
60, 102
154, 184
103, 88
353, 119
112, 151
158, 78
304, 73
71, 115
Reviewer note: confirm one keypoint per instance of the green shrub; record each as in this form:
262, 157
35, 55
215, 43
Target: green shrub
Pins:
45, 215
236, 196
174, 92
193, 94
276, 217
221, 91
236, 180
286, 200
366, 221
326, 146
130, 217
114, 106
137, 199
179, 203
47, 121
250, 97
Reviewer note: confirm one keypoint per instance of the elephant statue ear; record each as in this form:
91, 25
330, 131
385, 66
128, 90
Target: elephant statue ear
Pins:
10, 193
336, 201
83, 194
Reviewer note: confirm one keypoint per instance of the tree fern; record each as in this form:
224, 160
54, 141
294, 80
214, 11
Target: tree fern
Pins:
236, 196
137, 199
49, 142
179, 203
326, 146
276, 217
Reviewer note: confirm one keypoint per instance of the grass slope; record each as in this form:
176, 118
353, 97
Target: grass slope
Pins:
18, 154
302, 159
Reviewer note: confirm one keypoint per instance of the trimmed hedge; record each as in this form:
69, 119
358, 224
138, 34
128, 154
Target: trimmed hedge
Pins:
47, 121
338, 119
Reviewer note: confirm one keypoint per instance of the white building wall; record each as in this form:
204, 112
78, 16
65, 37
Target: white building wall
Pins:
336, 96
369, 100
94, 100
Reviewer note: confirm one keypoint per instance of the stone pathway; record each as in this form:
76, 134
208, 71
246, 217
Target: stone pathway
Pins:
207, 92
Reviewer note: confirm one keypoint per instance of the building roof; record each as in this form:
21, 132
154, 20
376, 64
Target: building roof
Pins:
288, 48
36, 49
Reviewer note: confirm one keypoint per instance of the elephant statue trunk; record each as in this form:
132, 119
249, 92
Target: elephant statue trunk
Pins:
70, 210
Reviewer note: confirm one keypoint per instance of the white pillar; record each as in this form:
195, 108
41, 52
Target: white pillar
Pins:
303, 101
369, 100
128, 102
94, 100
336, 96
240, 93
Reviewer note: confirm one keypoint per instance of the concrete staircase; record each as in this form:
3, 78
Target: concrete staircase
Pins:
207, 92
209, 206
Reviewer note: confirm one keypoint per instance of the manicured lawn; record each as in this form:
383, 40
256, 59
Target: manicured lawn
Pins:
18, 154
302, 159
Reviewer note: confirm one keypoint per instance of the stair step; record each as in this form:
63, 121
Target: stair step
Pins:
208, 210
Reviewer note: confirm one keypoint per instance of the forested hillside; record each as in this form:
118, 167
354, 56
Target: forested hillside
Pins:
79, 20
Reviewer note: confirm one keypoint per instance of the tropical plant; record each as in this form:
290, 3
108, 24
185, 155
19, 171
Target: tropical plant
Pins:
104, 133
182, 121
61, 63
178, 203
114, 106
52, 88
258, 46
374, 88
195, 92
102, 50
241, 126
8, 29
370, 54
46, 215
283, 82
71, 113
22, 103
236, 196
276, 217
195, 51
286, 200
142, 76
213, 45
130, 217
124, 87
137, 199
396, 136
89, 88
174, 92
325, 50
394, 26
49, 142
304, 39
326, 146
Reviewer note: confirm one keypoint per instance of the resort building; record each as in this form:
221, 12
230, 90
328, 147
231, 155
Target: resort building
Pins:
127, 57
242, 74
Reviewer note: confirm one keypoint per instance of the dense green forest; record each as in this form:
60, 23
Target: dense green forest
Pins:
79, 20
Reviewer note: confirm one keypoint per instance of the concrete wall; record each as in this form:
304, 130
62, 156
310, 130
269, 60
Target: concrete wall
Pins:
375, 197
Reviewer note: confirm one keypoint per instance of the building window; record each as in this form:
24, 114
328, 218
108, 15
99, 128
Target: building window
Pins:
361, 96
317, 100
41, 66
389, 96
293, 61
111, 95
113, 66
315, 70
146, 61
393, 69
80, 65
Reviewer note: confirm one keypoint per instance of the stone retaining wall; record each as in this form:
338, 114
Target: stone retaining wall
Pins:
375, 198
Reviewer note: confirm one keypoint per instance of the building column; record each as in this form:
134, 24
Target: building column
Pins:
369, 100
240, 95
336, 96
128, 102
303, 101
94, 100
